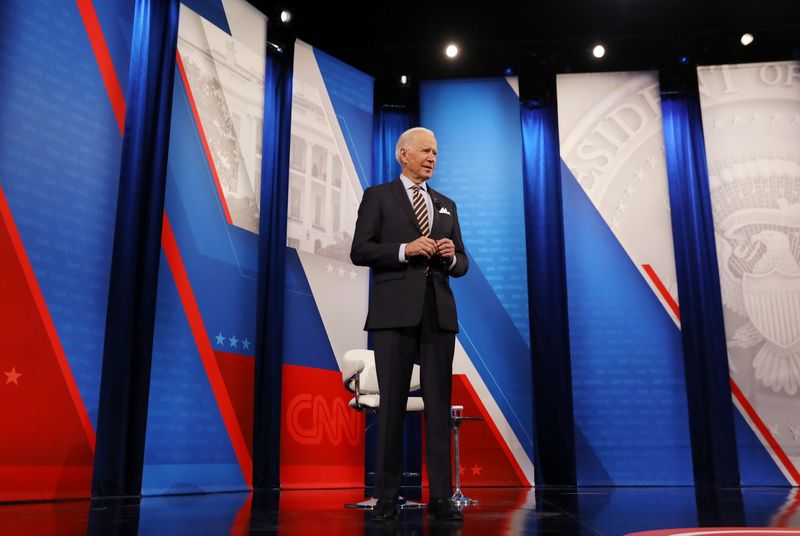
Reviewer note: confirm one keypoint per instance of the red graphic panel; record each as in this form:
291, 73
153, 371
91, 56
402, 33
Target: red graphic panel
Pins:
322, 439
48, 441
237, 373
486, 460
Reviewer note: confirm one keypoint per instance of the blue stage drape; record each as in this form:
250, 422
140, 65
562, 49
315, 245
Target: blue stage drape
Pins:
702, 328
125, 382
271, 262
388, 123
547, 295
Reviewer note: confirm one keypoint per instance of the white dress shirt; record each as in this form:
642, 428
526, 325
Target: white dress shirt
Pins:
408, 184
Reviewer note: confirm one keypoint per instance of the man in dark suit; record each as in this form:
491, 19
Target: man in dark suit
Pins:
409, 235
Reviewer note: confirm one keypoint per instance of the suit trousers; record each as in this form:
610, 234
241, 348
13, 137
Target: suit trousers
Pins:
395, 353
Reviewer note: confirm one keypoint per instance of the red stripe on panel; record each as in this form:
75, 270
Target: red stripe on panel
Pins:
204, 140
103, 57
673, 305
765, 433
205, 349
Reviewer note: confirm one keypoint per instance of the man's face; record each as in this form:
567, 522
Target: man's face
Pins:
419, 160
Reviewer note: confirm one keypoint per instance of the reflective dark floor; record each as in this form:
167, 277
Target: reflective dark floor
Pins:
586, 511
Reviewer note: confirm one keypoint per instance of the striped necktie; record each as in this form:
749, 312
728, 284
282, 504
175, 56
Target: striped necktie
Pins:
420, 210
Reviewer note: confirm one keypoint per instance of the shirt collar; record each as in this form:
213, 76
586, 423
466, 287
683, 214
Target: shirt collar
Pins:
408, 183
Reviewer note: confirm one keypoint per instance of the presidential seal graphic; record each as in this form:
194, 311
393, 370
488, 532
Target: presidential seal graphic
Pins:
757, 229
613, 144
751, 118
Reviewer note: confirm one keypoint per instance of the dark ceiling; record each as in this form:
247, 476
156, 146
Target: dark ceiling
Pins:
388, 39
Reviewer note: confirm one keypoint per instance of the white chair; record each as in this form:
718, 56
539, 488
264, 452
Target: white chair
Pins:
360, 378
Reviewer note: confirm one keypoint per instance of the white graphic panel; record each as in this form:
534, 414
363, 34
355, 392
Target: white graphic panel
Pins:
612, 142
751, 124
324, 194
226, 78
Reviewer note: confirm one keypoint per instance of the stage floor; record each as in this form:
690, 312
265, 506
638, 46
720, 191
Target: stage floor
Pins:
584, 511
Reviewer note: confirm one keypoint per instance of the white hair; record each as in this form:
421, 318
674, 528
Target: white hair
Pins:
405, 139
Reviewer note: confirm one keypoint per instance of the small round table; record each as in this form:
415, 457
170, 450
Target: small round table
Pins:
456, 418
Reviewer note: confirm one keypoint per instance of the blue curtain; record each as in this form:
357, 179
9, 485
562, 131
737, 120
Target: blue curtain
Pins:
702, 329
547, 295
125, 382
271, 262
388, 123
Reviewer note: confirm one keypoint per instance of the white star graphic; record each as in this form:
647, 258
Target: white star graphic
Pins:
220, 339
629, 190
795, 433
774, 117
341, 271
234, 342
329, 267
246, 344
615, 223
620, 207
651, 161
12, 376
639, 175
736, 119
716, 123
353, 273
755, 117
774, 429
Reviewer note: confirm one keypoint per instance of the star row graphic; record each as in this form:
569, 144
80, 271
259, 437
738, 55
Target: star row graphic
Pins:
754, 118
12, 376
341, 272
638, 177
476, 469
775, 430
233, 342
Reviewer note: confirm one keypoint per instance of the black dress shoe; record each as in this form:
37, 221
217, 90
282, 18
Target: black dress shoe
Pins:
384, 511
444, 510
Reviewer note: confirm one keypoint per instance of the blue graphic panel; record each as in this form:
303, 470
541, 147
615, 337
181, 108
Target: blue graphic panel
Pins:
211, 10
476, 123
629, 392
350, 92
221, 260
305, 341
59, 168
187, 448
190, 450
116, 20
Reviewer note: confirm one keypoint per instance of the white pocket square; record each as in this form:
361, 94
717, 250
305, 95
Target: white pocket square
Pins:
444, 211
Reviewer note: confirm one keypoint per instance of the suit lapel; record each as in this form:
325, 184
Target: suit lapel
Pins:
402, 197
434, 213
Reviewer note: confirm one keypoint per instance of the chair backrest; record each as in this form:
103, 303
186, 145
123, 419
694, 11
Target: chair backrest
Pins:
363, 362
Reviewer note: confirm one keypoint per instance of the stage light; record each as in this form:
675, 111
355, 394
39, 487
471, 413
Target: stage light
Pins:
747, 38
403, 80
509, 71
599, 51
451, 51
286, 16
684, 60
